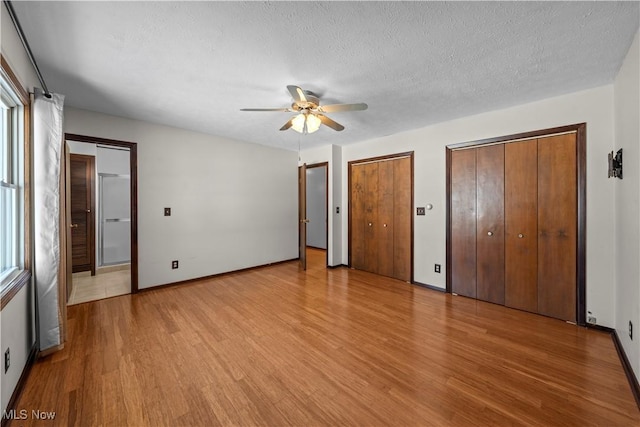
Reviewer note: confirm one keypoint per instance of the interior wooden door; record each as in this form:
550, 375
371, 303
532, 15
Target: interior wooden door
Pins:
521, 222
557, 226
385, 225
380, 221
402, 214
302, 216
490, 223
463, 222
371, 232
82, 176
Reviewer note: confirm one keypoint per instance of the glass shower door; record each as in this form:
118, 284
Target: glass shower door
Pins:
115, 219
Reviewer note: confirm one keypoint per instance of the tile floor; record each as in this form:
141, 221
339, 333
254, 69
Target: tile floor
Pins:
108, 282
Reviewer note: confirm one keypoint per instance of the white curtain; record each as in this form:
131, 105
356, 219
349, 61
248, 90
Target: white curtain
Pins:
47, 157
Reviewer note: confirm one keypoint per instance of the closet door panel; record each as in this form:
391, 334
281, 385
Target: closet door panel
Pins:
384, 227
521, 225
371, 234
357, 216
463, 222
490, 226
402, 211
557, 226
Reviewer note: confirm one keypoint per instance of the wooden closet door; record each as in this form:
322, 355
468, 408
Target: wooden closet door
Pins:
521, 225
402, 210
463, 222
490, 225
371, 233
557, 226
384, 227
358, 224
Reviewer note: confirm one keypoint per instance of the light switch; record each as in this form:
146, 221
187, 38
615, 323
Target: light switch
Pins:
167, 211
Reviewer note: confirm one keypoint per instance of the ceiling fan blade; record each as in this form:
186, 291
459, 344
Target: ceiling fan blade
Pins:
328, 122
296, 93
265, 109
287, 125
336, 108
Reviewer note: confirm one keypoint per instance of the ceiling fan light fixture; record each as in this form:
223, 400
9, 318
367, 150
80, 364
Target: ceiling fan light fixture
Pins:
313, 123
297, 123
305, 123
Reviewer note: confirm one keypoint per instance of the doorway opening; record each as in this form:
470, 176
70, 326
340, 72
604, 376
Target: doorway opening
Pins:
317, 214
102, 209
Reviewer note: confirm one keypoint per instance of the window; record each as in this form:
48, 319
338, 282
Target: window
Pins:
12, 183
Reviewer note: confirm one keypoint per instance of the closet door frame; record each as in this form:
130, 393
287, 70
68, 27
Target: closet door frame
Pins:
580, 129
352, 163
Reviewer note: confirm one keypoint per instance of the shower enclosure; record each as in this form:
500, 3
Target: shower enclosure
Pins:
114, 206
114, 231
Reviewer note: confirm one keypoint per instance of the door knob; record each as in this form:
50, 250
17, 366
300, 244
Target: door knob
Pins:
369, 224
490, 233
520, 236
88, 210
74, 226
304, 221
384, 225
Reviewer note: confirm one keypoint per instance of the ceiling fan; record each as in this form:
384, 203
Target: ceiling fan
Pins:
310, 114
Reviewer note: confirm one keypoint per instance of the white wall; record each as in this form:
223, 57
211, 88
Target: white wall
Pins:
627, 203
595, 107
335, 205
17, 324
234, 204
83, 148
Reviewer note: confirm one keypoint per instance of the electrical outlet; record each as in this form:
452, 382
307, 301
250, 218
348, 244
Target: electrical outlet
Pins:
437, 268
420, 211
591, 319
7, 360
174, 264
337, 209
630, 330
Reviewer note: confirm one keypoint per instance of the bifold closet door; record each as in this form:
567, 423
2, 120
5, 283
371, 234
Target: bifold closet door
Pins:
490, 223
402, 210
357, 226
521, 225
557, 226
384, 226
463, 222
364, 217
371, 232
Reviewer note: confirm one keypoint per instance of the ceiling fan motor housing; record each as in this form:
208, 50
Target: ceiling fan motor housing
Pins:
312, 102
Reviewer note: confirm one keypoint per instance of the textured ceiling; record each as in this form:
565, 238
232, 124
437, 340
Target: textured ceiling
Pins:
194, 65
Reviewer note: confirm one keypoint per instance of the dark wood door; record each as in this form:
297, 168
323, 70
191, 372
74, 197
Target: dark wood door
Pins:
357, 215
521, 222
385, 225
371, 232
463, 222
557, 226
82, 173
380, 221
490, 223
402, 215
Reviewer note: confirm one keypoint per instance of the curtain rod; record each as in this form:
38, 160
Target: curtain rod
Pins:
23, 39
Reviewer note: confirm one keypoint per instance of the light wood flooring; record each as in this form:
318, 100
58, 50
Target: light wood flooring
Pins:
108, 282
278, 346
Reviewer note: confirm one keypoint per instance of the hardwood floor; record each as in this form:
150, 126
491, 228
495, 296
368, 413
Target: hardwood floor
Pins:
277, 346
